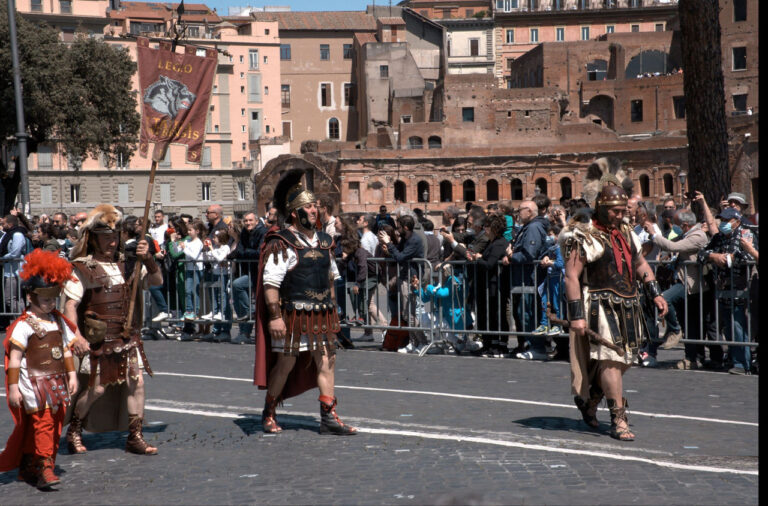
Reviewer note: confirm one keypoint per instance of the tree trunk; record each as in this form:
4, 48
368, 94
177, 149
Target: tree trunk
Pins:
704, 99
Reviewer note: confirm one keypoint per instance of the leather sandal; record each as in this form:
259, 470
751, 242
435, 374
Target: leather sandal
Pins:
75, 436
619, 416
269, 416
136, 442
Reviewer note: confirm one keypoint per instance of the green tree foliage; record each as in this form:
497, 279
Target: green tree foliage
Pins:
76, 95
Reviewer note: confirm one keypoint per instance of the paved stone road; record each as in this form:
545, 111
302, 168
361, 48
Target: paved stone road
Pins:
507, 433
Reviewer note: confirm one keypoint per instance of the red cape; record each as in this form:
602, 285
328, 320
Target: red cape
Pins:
11, 456
303, 377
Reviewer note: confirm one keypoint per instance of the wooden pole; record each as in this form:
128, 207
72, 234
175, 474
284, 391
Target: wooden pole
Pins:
137, 267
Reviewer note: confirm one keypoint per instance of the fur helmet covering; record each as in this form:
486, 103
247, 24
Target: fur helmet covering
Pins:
102, 216
605, 169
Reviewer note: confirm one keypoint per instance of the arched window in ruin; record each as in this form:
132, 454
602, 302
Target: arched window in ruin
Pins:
566, 189
415, 142
421, 188
400, 193
645, 186
435, 142
669, 184
491, 190
446, 191
541, 183
469, 190
516, 189
334, 131
650, 63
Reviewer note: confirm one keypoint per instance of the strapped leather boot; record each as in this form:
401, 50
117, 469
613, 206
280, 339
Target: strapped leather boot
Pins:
45, 476
619, 415
268, 416
75, 436
588, 408
136, 442
329, 420
27, 468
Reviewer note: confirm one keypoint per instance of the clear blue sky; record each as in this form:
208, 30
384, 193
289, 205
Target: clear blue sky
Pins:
295, 5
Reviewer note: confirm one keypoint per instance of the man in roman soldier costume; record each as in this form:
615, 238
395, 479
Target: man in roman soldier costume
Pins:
604, 268
98, 300
296, 309
40, 371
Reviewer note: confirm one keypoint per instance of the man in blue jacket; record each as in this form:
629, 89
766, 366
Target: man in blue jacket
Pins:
528, 247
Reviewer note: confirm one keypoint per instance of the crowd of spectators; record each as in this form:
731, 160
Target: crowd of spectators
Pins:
486, 279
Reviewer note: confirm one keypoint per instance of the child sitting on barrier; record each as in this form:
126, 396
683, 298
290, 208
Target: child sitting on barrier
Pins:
551, 288
446, 312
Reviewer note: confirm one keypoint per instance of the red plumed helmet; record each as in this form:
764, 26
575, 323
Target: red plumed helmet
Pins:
45, 272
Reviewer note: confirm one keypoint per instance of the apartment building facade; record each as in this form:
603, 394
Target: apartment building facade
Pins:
521, 25
243, 126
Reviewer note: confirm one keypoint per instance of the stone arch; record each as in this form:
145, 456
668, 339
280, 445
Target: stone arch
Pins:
322, 177
415, 142
566, 188
542, 184
602, 107
597, 69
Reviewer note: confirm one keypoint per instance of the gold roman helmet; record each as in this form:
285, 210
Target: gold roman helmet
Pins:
290, 192
298, 197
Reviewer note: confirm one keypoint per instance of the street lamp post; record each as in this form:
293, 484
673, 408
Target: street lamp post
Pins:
682, 175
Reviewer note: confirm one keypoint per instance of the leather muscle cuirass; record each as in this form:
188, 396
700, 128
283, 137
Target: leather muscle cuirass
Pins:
45, 354
109, 303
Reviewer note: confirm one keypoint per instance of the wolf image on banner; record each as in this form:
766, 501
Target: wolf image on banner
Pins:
168, 96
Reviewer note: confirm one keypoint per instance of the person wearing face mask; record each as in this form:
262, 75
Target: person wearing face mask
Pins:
726, 253
686, 284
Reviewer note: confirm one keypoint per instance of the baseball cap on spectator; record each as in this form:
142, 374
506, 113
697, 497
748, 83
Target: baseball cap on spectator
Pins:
737, 197
729, 213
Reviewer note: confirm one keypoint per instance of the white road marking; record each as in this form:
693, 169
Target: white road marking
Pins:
479, 440
475, 397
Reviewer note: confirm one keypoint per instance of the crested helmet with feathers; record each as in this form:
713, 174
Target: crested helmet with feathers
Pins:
44, 273
602, 174
104, 218
290, 193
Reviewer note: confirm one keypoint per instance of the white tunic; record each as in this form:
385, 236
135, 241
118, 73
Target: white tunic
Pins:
20, 337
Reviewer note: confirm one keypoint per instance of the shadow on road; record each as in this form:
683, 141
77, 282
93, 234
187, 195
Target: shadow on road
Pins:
251, 425
560, 423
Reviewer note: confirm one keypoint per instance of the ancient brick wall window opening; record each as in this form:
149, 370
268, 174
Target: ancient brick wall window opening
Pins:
597, 70
422, 187
516, 189
636, 111
491, 190
468, 188
415, 142
678, 103
468, 114
669, 184
739, 10
446, 191
541, 184
399, 191
649, 63
566, 188
739, 58
645, 186
435, 142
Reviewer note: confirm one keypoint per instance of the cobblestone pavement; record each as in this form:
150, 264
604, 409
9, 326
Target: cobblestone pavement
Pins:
435, 430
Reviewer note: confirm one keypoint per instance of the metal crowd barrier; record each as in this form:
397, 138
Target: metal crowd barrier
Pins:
400, 292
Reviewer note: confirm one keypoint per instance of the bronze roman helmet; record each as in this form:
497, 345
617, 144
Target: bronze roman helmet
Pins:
291, 194
607, 184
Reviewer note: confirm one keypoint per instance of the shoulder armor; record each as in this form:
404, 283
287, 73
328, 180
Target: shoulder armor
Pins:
583, 236
324, 241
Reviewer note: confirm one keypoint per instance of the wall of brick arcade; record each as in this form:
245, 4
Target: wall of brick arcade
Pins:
369, 181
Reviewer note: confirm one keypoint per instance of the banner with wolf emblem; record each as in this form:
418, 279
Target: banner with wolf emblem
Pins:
175, 93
